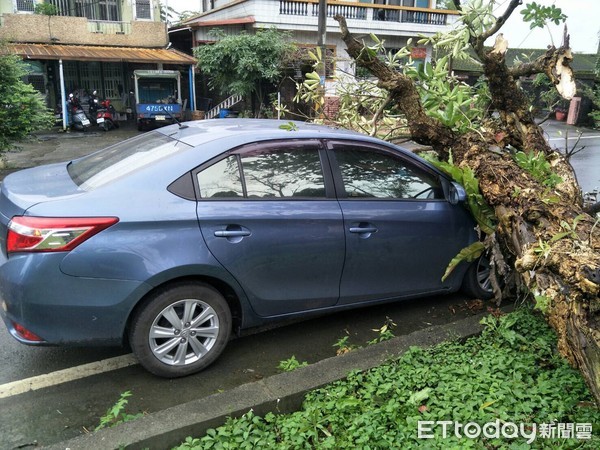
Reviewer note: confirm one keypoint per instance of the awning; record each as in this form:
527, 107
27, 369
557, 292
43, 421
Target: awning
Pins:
221, 22
106, 54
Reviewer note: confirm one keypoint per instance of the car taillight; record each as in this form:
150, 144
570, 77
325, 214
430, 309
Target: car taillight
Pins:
52, 234
25, 333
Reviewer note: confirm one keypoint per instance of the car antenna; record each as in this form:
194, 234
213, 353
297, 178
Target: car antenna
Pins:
172, 117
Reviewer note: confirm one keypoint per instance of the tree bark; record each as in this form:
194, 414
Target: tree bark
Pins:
543, 233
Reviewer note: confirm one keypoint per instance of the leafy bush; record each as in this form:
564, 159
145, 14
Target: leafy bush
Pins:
511, 372
245, 64
22, 108
45, 8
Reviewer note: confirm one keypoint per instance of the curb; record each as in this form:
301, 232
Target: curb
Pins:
282, 393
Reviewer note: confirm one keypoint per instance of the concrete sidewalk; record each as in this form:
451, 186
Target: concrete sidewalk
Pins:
282, 393
54, 145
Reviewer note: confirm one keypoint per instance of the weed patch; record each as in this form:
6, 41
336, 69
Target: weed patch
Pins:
510, 373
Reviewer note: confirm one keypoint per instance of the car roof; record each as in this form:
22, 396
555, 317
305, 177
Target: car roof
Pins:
202, 131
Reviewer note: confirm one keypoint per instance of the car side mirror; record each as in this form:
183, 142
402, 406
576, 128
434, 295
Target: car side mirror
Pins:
456, 194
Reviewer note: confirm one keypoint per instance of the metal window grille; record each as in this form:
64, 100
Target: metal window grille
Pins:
90, 77
113, 77
25, 5
70, 74
109, 10
143, 9
62, 7
37, 81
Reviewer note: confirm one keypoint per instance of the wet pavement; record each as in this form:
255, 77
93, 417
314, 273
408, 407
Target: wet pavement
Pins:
53, 146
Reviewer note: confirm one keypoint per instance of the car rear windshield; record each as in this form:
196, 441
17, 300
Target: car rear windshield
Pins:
105, 166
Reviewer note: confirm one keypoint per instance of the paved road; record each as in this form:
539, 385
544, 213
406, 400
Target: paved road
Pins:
587, 161
67, 408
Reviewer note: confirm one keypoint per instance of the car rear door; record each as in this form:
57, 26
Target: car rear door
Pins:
400, 231
268, 213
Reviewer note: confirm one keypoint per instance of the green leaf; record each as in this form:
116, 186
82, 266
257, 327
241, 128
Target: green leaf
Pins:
289, 126
419, 397
467, 254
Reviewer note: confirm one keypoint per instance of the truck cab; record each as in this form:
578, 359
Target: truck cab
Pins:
157, 97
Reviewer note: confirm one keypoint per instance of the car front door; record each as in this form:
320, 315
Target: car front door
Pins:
401, 233
268, 213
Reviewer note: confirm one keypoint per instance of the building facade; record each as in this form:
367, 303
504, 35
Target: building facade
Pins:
394, 21
77, 46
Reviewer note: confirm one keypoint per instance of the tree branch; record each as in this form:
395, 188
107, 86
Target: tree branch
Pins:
532, 68
500, 21
424, 129
379, 112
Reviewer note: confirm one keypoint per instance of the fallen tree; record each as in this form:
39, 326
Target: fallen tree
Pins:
541, 232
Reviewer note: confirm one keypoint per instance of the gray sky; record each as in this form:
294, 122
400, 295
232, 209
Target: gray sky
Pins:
583, 23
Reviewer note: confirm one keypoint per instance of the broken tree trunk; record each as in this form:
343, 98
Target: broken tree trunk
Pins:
542, 232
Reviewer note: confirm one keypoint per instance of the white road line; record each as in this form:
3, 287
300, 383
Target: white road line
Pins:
65, 375
574, 138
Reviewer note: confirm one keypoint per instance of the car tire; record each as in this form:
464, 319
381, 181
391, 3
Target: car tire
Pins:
477, 282
169, 344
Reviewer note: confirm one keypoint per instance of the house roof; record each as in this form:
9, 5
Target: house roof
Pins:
583, 63
216, 23
94, 53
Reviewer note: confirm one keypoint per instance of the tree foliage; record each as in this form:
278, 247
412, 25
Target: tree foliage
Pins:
22, 108
545, 245
245, 64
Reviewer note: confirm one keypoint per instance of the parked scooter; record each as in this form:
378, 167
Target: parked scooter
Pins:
94, 104
106, 117
79, 121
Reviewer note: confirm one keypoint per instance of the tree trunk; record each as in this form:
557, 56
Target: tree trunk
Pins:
543, 232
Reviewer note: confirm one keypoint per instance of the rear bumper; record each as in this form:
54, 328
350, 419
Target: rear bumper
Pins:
62, 309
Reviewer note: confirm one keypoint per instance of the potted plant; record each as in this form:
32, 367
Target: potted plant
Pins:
560, 113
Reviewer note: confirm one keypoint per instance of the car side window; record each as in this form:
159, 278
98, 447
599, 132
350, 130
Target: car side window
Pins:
266, 172
283, 173
221, 180
367, 173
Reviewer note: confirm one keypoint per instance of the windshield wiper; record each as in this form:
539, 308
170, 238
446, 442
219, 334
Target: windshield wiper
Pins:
172, 117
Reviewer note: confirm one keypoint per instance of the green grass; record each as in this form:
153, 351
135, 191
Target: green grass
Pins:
510, 373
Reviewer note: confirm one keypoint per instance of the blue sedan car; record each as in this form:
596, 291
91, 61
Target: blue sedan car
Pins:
174, 239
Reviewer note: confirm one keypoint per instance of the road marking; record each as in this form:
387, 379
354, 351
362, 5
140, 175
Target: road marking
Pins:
574, 138
65, 375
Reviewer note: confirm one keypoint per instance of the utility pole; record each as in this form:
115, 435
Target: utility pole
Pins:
322, 34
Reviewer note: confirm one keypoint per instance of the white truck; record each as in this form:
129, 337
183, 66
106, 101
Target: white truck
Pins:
157, 97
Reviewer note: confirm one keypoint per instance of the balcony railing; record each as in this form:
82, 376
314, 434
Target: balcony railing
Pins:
366, 11
109, 27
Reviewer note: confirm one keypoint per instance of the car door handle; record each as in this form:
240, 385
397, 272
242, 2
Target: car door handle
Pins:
232, 233
362, 230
